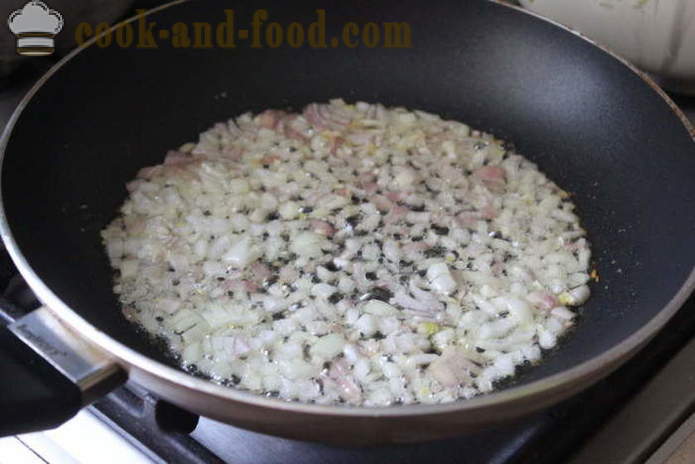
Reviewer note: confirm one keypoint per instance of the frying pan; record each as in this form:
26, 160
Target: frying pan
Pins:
594, 124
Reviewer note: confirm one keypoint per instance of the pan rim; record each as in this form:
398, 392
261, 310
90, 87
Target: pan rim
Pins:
123, 354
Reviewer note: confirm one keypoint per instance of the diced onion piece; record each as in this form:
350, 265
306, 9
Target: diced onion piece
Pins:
328, 346
323, 290
379, 308
562, 313
366, 324
440, 278
289, 210
519, 309
307, 244
242, 253
129, 268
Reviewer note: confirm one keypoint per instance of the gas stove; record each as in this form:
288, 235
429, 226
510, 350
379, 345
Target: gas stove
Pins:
641, 413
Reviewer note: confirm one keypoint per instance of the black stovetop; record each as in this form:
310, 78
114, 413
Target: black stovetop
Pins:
582, 428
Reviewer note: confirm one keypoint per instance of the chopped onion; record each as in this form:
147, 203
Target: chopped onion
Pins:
329, 256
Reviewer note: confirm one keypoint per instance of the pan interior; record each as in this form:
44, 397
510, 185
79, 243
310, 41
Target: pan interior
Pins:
591, 124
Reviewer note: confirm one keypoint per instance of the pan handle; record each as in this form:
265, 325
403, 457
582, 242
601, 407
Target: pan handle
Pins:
47, 373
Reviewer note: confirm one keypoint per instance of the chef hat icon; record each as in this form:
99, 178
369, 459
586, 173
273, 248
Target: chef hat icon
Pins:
35, 26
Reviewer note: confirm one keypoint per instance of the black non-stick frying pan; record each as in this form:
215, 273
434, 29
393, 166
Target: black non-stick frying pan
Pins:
598, 127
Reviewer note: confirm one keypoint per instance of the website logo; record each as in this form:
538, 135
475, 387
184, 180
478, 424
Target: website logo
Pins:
35, 26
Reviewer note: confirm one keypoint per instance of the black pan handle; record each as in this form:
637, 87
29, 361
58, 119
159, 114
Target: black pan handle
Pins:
47, 374
33, 395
